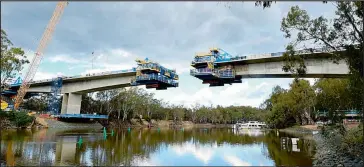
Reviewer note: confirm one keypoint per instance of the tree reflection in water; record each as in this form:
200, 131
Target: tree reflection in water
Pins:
59, 147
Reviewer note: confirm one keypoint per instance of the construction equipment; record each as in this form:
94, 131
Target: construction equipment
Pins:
153, 75
46, 37
207, 69
54, 102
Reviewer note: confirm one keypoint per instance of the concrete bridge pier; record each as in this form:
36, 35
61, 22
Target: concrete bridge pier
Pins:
71, 103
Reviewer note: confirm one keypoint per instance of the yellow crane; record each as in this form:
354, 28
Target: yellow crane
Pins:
46, 37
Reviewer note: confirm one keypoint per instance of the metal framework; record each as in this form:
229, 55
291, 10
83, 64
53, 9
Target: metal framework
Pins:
207, 69
47, 35
154, 75
217, 66
54, 99
92, 116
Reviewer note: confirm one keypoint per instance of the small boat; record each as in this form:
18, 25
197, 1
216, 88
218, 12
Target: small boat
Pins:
250, 125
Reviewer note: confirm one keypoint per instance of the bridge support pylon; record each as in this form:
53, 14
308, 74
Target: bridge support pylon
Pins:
71, 103
64, 103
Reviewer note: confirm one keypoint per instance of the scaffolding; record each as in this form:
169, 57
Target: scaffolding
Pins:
154, 75
54, 97
208, 68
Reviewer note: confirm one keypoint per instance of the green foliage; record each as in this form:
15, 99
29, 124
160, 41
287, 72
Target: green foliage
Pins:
289, 107
343, 32
125, 104
354, 139
349, 141
333, 95
17, 118
3, 114
12, 59
299, 104
265, 4
36, 103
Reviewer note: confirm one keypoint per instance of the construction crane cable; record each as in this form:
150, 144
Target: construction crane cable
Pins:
46, 37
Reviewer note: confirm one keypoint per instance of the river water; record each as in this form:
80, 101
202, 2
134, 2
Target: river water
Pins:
163, 147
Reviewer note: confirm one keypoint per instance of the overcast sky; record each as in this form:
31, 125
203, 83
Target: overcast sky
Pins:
166, 32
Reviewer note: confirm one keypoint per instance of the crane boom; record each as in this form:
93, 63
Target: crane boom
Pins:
46, 37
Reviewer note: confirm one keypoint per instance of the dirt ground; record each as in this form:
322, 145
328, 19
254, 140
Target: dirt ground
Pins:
352, 125
314, 127
311, 127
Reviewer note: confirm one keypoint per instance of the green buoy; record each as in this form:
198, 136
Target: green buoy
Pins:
129, 129
105, 135
80, 141
159, 129
112, 132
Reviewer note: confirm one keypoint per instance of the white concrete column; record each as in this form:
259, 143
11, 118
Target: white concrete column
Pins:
64, 103
66, 151
74, 104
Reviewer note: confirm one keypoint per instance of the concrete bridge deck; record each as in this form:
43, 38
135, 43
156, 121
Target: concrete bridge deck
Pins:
228, 69
73, 87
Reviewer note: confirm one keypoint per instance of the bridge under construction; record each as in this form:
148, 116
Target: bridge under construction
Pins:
217, 67
148, 73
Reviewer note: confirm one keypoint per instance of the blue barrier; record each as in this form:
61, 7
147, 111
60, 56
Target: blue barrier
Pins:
161, 78
91, 116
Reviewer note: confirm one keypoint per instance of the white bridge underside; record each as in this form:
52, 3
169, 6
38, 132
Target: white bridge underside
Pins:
316, 68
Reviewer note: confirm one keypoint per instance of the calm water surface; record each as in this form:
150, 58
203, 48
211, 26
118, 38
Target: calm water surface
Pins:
153, 147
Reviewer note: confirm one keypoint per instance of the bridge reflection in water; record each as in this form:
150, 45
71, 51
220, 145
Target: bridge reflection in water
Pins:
152, 147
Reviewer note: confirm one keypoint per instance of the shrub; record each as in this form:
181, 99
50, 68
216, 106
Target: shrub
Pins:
4, 121
353, 141
3, 114
20, 118
147, 118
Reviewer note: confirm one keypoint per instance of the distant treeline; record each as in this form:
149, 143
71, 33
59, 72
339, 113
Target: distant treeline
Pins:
296, 105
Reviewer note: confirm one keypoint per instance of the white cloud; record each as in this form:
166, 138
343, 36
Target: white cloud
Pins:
248, 93
138, 161
121, 52
40, 75
29, 54
311, 80
64, 58
169, 33
235, 161
201, 152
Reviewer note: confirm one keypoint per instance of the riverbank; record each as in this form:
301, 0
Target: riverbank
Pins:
329, 152
162, 124
41, 122
331, 146
306, 129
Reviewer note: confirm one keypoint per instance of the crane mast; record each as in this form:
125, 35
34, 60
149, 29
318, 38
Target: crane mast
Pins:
46, 37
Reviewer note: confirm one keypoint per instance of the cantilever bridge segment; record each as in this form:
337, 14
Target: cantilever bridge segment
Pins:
148, 73
217, 67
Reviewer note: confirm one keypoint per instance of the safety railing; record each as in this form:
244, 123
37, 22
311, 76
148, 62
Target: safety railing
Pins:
279, 54
148, 66
164, 71
156, 77
201, 71
228, 73
203, 59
